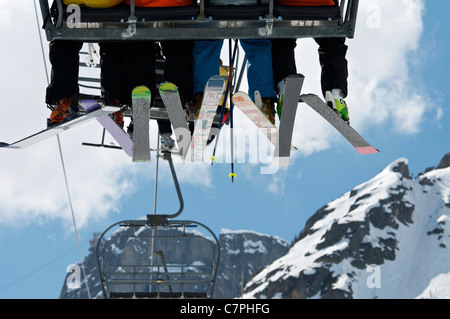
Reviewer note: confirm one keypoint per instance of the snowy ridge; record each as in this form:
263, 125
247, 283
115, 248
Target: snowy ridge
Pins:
249, 245
387, 238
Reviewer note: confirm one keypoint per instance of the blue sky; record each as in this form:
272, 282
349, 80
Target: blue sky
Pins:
398, 88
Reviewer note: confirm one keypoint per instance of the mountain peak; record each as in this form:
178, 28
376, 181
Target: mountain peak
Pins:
445, 162
392, 229
400, 166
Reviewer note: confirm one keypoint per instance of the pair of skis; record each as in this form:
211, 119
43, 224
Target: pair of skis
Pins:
281, 137
139, 150
193, 148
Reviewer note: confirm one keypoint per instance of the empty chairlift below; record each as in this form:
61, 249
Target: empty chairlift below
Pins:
158, 257
149, 259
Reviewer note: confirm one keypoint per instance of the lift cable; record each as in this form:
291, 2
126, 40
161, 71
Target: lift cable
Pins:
62, 162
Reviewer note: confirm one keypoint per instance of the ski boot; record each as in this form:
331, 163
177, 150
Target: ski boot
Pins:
334, 100
167, 143
130, 128
280, 91
63, 112
198, 98
116, 116
268, 107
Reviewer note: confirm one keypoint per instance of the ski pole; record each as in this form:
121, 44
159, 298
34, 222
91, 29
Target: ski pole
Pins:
213, 157
232, 174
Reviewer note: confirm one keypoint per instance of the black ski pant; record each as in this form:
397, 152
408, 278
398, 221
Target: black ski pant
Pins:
64, 58
178, 67
125, 65
332, 52
332, 58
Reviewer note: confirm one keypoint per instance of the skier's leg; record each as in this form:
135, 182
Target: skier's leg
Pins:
259, 67
178, 67
111, 74
260, 73
283, 58
64, 58
63, 88
332, 57
206, 62
139, 68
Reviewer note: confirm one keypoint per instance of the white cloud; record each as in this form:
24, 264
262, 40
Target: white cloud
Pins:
32, 181
381, 90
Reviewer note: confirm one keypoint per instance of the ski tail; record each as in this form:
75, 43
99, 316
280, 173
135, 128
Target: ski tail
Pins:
212, 96
177, 115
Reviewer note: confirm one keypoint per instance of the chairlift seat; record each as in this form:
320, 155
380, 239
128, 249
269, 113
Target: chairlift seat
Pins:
307, 13
157, 258
234, 12
121, 13
203, 21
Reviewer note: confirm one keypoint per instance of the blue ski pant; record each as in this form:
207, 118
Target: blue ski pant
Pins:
206, 55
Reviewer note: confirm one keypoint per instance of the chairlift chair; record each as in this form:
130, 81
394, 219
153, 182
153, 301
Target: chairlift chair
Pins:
200, 21
158, 257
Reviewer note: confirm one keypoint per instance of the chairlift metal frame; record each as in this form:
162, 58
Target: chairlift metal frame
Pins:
163, 277
202, 26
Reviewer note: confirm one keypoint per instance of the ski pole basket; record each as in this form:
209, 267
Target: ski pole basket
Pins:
157, 258
199, 21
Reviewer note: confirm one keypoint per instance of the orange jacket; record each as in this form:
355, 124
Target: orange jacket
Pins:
305, 3
161, 3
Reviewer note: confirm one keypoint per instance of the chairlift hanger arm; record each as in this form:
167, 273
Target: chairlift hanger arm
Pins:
140, 24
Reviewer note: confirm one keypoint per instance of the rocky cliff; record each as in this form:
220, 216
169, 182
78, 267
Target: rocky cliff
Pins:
386, 238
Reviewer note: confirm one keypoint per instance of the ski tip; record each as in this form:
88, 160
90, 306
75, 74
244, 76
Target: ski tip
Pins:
141, 90
7, 145
367, 150
216, 81
298, 75
168, 86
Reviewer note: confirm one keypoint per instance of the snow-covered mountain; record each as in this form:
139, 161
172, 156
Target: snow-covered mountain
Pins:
243, 254
386, 238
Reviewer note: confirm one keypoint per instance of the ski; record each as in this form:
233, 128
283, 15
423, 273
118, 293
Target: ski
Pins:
141, 97
119, 135
213, 93
293, 87
91, 113
249, 108
177, 115
318, 105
